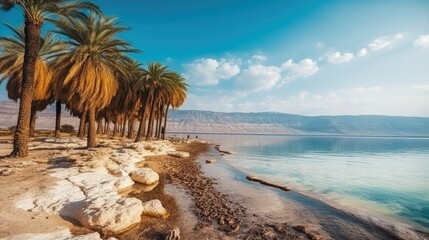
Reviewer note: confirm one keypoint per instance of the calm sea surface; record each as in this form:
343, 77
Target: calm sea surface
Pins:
388, 176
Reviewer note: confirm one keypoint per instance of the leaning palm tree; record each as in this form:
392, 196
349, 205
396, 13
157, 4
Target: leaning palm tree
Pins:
11, 63
87, 75
35, 13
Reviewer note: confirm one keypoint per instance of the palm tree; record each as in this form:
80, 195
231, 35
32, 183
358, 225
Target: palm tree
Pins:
153, 79
35, 13
175, 98
11, 64
87, 75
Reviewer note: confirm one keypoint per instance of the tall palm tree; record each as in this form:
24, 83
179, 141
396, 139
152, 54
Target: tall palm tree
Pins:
36, 12
175, 98
88, 73
12, 61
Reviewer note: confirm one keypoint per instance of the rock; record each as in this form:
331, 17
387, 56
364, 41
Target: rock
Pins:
145, 176
211, 161
179, 154
154, 208
59, 235
123, 183
5, 171
110, 214
173, 234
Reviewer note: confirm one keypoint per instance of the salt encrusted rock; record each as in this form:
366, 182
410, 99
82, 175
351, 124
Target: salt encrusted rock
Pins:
59, 235
154, 208
211, 161
145, 176
110, 214
178, 154
124, 182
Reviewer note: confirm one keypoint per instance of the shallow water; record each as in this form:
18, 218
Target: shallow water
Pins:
387, 178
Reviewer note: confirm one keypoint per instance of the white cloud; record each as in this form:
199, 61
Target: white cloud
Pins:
363, 90
363, 52
320, 45
259, 57
337, 57
421, 88
379, 44
208, 71
399, 36
304, 68
258, 77
422, 41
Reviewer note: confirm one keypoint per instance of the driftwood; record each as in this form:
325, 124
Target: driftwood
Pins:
217, 147
173, 234
268, 183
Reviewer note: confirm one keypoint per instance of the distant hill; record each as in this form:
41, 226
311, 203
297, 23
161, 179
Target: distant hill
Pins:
193, 121
282, 123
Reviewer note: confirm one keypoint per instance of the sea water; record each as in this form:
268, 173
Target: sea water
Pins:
381, 175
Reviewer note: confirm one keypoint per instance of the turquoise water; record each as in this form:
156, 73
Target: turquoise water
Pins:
387, 176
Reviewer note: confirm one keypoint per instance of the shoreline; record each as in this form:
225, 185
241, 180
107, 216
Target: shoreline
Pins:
373, 224
205, 201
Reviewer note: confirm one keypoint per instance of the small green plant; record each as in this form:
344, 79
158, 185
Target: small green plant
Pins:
67, 128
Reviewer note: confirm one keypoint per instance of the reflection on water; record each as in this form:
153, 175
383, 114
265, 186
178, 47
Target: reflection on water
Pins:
387, 175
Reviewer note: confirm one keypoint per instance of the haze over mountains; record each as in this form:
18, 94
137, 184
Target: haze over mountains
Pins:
193, 121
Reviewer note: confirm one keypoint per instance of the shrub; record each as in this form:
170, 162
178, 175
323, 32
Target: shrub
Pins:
66, 128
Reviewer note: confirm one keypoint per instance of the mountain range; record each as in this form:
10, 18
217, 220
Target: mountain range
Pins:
196, 121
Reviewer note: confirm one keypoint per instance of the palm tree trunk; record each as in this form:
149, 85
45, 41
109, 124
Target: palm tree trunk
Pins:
123, 125
142, 125
32, 120
82, 125
152, 111
161, 115
58, 119
106, 125
115, 126
165, 121
20, 140
130, 127
91, 140
100, 126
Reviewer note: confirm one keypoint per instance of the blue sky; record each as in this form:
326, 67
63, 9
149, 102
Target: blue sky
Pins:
303, 57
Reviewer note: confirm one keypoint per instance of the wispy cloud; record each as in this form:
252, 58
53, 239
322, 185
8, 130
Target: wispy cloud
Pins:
379, 44
421, 88
259, 57
422, 41
362, 52
337, 57
385, 42
303, 68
